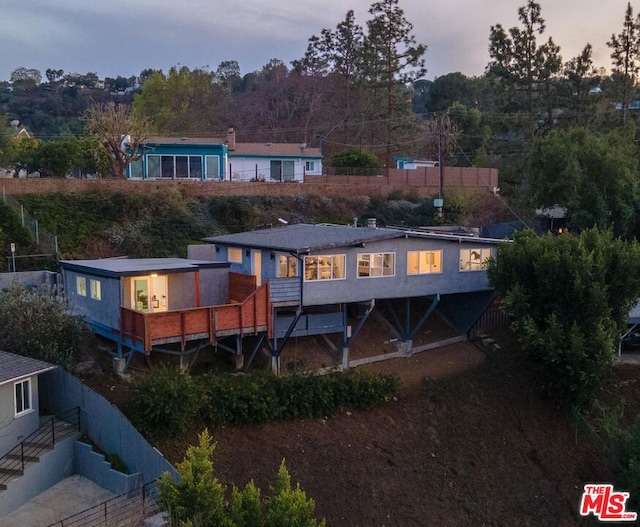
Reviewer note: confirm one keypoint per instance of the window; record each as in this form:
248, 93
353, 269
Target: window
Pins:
329, 267
174, 167
424, 262
81, 285
288, 266
474, 259
96, 290
135, 169
310, 166
213, 167
376, 264
23, 397
282, 170
234, 255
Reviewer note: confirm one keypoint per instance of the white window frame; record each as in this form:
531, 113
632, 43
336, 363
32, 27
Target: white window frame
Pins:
474, 259
156, 159
20, 405
290, 265
234, 255
81, 286
211, 167
96, 289
325, 267
310, 166
375, 263
431, 268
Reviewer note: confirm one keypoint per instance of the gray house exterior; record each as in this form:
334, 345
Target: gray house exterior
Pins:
102, 290
334, 271
19, 401
277, 283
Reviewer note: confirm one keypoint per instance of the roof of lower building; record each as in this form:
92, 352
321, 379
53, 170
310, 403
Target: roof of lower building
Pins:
14, 367
243, 149
115, 267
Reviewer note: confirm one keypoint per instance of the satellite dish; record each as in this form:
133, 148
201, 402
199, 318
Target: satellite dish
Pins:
14, 123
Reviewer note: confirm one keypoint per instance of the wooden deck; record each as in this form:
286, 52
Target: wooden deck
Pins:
250, 316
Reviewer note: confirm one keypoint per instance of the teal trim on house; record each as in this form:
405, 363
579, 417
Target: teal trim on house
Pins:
180, 161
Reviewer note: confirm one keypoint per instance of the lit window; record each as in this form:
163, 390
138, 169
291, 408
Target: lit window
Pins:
325, 267
81, 285
424, 262
288, 266
96, 290
376, 264
234, 255
474, 259
23, 397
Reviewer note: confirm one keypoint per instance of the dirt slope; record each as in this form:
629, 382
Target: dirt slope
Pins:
479, 447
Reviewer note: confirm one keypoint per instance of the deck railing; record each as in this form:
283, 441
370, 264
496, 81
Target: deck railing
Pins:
249, 317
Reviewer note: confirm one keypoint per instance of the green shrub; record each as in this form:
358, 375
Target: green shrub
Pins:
36, 323
116, 463
260, 397
165, 403
168, 402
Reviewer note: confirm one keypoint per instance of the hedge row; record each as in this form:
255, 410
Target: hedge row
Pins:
169, 402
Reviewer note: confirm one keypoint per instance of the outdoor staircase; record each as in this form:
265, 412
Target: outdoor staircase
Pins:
51, 431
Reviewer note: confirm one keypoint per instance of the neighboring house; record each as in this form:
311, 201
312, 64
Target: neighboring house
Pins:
408, 163
214, 159
19, 402
295, 280
194, 158
43, 411
272, 161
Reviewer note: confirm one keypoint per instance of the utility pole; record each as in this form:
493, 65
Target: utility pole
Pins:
13, 256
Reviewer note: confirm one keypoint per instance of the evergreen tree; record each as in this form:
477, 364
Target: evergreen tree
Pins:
625, 53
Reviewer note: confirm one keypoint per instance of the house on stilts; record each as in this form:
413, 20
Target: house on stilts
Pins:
258, 289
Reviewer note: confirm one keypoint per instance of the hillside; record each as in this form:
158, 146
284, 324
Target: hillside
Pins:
161, 223
476, 444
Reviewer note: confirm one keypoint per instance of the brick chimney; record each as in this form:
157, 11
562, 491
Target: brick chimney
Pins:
231, 139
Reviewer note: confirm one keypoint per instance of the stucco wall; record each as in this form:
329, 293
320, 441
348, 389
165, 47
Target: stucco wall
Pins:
106, 310
13, 429
182, 291
214, 287
355, 289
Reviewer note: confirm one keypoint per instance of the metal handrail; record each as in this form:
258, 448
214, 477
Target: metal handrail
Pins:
44, 438
128, 509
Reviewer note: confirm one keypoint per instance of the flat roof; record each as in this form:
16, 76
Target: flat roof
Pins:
115, 267
14, 367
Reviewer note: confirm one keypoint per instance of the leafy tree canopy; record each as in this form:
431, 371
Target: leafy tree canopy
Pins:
596, 177
570, 298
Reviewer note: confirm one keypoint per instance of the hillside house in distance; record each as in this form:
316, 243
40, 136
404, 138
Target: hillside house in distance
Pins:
262, 287
216, 159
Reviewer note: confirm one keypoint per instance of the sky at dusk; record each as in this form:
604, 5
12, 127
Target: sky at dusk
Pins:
119, 37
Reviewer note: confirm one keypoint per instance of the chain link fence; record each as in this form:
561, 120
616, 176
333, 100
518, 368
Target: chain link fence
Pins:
46, 244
